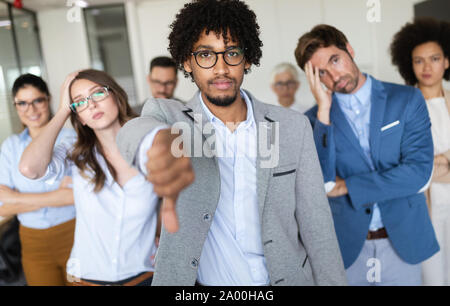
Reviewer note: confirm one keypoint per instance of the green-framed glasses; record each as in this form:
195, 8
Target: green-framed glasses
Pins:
98, 95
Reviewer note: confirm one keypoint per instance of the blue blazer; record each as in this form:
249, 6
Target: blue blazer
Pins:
402, 152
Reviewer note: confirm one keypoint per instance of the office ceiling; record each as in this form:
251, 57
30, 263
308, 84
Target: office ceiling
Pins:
38, 5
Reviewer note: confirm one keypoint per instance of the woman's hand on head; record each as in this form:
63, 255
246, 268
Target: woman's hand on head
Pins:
65, 100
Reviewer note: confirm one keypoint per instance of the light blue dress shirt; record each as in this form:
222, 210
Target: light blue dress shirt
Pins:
356, 108
11, 152
233, 253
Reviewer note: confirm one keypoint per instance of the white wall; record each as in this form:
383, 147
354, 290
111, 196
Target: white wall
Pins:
282, 22
64, 47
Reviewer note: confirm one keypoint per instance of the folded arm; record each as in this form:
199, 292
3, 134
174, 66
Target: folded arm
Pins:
14, 202
412, 173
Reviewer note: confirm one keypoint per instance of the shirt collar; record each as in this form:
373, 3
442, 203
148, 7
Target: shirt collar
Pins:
249, 120
25, 135
362, 95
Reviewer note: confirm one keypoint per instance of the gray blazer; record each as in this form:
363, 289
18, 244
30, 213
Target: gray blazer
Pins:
298, 236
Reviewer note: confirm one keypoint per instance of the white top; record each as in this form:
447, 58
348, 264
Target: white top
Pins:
233, 253
440, 130
440, 124
115, 228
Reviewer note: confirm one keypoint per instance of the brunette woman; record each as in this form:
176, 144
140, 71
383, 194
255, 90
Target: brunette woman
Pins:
44, 210
115, 204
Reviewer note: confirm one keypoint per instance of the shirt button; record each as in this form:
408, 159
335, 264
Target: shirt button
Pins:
357, 112
368, 211
114, 261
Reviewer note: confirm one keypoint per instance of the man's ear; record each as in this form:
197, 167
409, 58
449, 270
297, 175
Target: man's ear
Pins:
247, 65
447, 64
350, 49
187, 66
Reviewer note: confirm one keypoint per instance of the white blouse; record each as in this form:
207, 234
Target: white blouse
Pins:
115, 228
440, 124
440, 130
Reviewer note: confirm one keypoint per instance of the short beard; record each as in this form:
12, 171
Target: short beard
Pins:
344, 90
222, 101
355, 80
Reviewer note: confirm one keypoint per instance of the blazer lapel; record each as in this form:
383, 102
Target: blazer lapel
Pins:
339, 120
378, 105
265, 127
195, 111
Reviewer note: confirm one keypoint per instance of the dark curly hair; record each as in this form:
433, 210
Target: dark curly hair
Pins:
421, 31
225, 17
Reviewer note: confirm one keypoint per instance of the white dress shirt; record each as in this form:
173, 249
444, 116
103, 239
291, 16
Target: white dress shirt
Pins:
233, 253
115, 227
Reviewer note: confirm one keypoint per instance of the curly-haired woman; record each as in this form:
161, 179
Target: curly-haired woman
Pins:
421, 51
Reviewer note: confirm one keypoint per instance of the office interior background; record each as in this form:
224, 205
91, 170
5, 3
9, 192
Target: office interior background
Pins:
52, 38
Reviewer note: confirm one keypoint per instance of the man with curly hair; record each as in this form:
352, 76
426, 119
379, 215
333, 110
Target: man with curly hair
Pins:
247, 218
421, 51
375, 149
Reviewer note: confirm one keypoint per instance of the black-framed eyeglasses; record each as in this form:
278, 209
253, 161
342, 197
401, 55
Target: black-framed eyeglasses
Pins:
22, 106
163, 84
206, 59
98, 95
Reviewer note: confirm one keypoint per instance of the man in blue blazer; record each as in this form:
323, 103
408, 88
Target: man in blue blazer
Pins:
376, 152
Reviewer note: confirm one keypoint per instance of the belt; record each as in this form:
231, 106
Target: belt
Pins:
132, 282
378, 234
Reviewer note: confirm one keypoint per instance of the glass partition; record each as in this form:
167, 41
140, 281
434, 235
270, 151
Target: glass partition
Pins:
19, 53
109, 46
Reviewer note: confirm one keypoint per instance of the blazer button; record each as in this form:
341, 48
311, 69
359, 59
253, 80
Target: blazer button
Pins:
368, 211
194, 263
206, 217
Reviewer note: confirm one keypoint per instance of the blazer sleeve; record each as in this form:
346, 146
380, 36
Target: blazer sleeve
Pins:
134, 131
314, 218
414, 169
323, 136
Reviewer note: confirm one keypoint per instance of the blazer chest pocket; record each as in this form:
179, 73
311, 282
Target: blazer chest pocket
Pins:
284, 170
390, 128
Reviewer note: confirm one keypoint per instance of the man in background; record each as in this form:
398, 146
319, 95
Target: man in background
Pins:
162, 79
